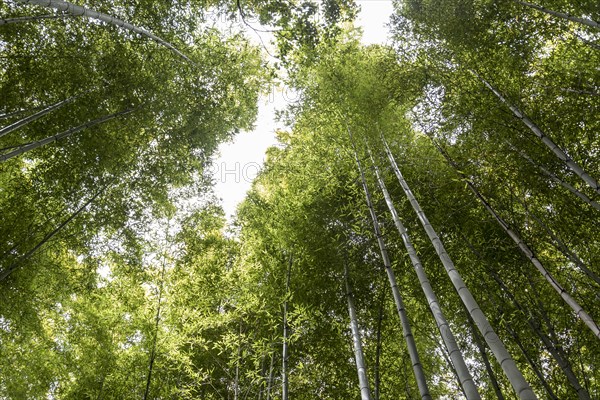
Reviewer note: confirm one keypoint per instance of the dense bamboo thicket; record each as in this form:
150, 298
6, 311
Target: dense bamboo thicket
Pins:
427, 226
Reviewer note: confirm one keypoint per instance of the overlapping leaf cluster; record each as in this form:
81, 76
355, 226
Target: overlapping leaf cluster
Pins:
136, 298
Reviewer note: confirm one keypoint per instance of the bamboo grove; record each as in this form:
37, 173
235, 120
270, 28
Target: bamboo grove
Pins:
427, 226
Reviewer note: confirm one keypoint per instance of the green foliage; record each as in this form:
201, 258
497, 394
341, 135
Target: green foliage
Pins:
147, 290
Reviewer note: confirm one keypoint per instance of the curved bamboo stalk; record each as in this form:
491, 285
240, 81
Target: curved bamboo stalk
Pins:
377, 377
18, 20
85, 12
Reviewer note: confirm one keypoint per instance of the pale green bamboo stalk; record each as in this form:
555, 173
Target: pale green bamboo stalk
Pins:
560, 153
564, 184
18, 20
285, 351
361, 368
22, 122
34, 145
526, 250
569, 17
85, 12
406, 328
456, 356
11, 268
508, 365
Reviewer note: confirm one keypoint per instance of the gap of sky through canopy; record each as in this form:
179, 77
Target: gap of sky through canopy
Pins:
237, 162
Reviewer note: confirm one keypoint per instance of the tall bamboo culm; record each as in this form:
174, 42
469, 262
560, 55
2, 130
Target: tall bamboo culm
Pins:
464, 376
406, 329
516, 378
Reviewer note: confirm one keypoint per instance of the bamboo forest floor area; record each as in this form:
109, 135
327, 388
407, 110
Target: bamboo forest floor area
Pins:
427, 225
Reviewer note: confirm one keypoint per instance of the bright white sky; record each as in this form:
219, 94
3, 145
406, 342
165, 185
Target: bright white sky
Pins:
238, 162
